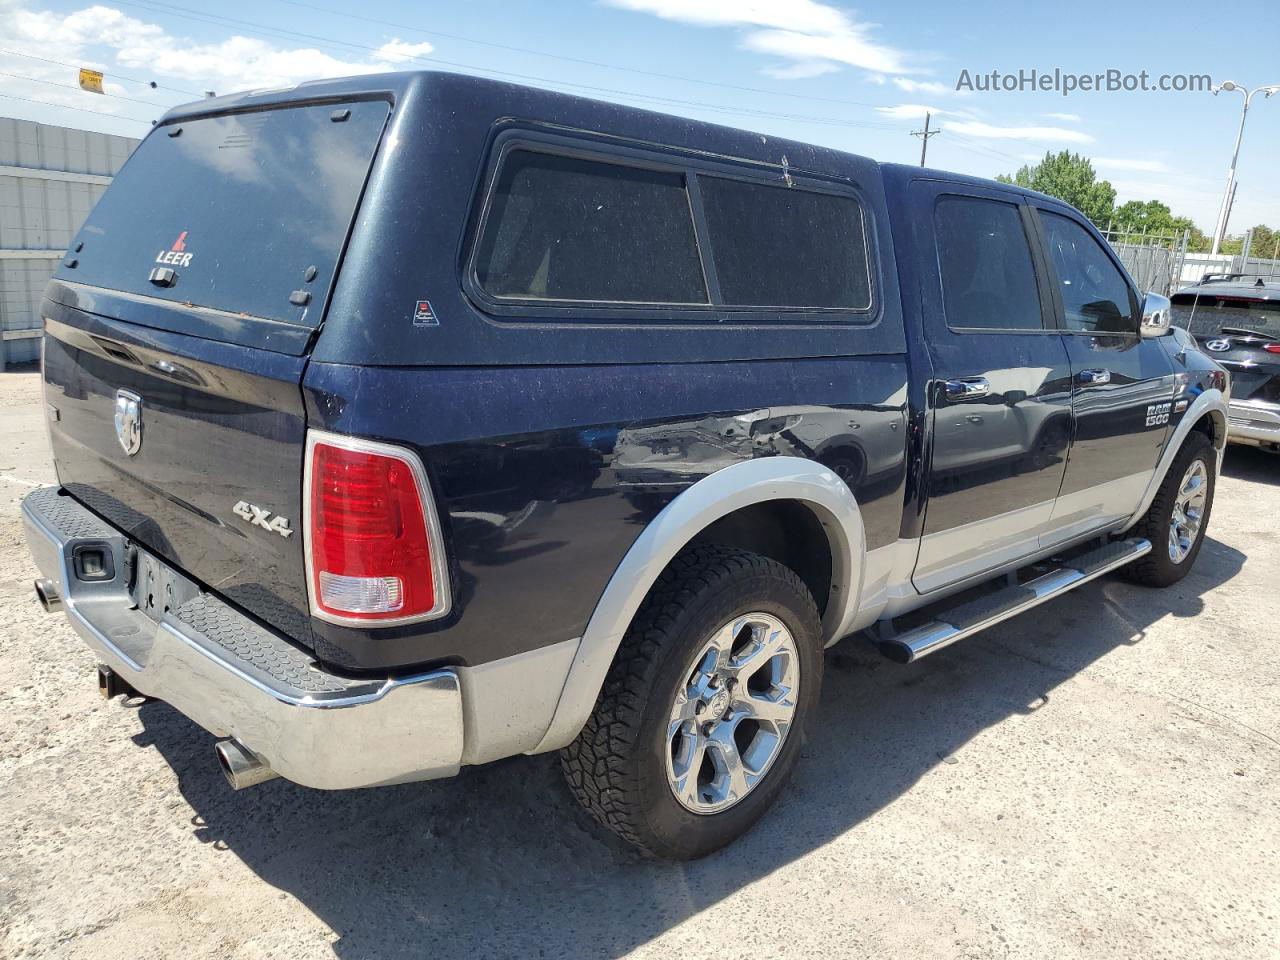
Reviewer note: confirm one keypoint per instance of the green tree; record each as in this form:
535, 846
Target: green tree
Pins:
1133, 219
1070, 177
1265, 243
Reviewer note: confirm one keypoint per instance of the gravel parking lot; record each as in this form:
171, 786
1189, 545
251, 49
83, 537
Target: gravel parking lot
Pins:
1100, 778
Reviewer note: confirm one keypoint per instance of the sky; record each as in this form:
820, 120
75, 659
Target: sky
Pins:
857, 78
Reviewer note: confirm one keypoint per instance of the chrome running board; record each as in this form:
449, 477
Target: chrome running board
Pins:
966, 619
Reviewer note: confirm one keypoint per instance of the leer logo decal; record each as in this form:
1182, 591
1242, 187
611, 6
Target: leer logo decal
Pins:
423, 315
263, 518
176, 255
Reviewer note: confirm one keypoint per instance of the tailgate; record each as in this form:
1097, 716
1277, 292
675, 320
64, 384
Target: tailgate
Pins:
176, 335
163, 435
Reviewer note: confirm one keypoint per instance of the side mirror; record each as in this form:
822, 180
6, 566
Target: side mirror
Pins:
1157, 315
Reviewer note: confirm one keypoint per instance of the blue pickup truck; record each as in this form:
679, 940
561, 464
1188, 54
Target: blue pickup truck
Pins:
413, 421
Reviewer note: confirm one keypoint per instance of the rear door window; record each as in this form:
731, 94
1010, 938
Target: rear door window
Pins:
988, 277
563, 228
780, 246
243, 208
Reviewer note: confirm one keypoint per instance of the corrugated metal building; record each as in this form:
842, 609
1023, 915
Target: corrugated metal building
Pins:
50, 178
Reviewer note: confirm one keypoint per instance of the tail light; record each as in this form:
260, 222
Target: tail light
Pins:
1272, 347
374, 552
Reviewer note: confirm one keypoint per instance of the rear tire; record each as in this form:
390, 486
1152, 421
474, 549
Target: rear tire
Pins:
673, 759
1179, 515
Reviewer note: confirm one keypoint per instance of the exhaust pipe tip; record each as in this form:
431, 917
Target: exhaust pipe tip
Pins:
240, 766
47, 594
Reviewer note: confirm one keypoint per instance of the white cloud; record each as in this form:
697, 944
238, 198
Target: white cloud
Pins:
987, 131
850, 48
800, 30
397, 51
105, 38
1138, 165
805, 16
801, 70
1067, 117
922, 86
916, 111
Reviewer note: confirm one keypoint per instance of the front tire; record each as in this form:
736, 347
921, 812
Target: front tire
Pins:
1179, 515
702, 715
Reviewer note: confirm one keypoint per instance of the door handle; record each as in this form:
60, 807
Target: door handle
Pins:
1094, 376
970, 388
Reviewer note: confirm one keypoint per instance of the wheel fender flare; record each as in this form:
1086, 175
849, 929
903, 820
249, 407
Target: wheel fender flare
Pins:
712, 497
1209, 403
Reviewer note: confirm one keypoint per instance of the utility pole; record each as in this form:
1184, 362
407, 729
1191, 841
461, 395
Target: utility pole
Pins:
924, 136
1225, 212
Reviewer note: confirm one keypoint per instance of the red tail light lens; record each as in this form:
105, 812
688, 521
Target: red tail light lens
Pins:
1272, 348
373, 550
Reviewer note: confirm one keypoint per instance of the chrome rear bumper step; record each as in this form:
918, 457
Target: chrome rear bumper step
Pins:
966, 619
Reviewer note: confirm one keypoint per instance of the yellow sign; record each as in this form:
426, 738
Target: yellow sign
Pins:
90, 80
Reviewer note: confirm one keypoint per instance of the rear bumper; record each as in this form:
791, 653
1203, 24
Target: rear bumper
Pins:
238, 679
1253, 423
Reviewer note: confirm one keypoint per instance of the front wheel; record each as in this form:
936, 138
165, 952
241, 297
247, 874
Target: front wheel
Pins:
1179, 515
701, 718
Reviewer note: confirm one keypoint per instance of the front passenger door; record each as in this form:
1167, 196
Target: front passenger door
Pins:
1122, 385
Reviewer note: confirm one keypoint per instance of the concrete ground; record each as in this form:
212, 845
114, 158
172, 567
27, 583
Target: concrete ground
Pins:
1100, 778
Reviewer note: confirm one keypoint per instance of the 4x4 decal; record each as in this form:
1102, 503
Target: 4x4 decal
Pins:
263, 518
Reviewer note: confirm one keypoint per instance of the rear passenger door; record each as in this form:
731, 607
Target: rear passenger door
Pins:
1122, 385
1001, 390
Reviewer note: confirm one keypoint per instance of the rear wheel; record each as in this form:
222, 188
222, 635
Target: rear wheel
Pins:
1176, 521
702, 714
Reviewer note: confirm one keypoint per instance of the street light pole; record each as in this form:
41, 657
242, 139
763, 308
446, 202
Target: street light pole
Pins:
1221, 228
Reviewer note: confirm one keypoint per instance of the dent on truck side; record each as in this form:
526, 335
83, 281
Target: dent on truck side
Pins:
731, 489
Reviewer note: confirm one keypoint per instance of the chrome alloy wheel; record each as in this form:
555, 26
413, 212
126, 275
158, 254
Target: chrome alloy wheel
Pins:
732, 713
1188, 511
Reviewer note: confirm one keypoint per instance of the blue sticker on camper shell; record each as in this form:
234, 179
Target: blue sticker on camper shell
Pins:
424, 316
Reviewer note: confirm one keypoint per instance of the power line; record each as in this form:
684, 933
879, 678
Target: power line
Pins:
51, 103
116, 76
69, 86
276, 32
578, 60
991, 150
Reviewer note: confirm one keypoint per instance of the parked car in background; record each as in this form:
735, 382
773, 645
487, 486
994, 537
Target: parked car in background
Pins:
412, 421
1236, 320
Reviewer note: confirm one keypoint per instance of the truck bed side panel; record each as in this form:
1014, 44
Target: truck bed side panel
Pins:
548, 474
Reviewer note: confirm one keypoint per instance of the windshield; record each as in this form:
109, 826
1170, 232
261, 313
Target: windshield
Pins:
1208, 315
236, 212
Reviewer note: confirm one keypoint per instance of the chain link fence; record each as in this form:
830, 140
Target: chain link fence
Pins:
1162, 262
1154, 260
